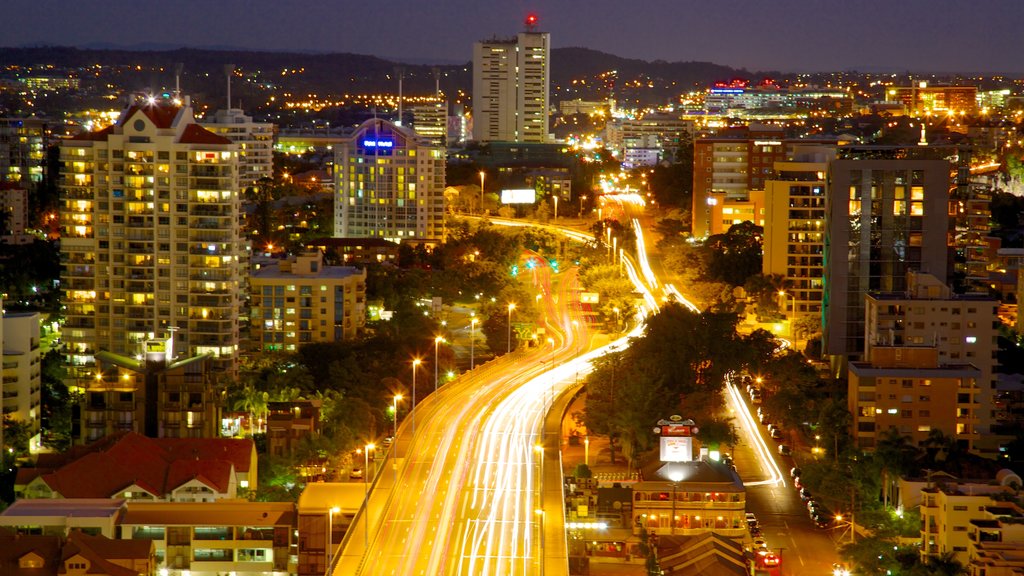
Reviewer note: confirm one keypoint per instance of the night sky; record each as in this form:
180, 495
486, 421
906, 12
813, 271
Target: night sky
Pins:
786, 35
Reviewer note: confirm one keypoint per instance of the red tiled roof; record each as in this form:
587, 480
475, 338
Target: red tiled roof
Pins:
112, 549
13, 547
162, 116
157, 465
196, 134
97, 563
214, 473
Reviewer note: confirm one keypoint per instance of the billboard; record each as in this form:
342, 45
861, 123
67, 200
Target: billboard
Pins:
676, 449
519, 196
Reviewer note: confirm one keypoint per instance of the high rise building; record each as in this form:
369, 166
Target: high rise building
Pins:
150, 237
794, 228
19, 350
511, 87
390, 184
23, 144
255, 143
887, 212
430, 120
924, 99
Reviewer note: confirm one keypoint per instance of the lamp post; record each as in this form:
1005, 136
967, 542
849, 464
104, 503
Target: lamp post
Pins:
412, 407
618, 319
482, 174
366, 494
555, 196
586, 451
328, 553
784, 295
540, 513
582, 198
675, 476
511, 307
394, 407
437, 342
472, 341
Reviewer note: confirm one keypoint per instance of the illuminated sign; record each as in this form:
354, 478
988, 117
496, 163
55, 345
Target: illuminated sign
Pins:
727, 91
519, 196
676, 449
767, 143
368, 143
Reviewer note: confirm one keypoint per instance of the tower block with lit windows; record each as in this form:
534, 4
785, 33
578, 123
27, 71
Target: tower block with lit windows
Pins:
150, 238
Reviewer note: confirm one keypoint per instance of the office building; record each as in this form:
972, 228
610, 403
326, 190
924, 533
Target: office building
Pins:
511, 87
298, 300
150, 237
794, 230
255, 143
22, 380
661, 133
389, 184
924, 100
430, 120
887, 212
727, 167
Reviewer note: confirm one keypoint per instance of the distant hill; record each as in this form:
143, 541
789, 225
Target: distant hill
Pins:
341, 73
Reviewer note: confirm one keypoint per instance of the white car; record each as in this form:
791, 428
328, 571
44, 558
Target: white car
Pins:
760, 543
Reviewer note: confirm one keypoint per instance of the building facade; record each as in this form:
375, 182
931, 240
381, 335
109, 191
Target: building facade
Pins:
794, 232
255, 143
22, 380
23, 143
150, 237
886, 213
511, 88
430, 120
691, 498
389, 184
299, 300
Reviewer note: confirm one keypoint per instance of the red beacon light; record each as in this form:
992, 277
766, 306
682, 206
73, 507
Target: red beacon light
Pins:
531, 20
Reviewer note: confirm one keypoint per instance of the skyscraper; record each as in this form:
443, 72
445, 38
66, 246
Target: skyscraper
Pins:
887, 213
511, 87
255, 143
389, 183
150, 237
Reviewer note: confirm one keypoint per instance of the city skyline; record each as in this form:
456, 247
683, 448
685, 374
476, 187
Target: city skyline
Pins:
916, 35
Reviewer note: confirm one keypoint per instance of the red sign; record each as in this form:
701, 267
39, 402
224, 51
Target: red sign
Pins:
676, 430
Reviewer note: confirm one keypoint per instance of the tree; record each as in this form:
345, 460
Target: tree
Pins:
894, 453
735, 255
254, 402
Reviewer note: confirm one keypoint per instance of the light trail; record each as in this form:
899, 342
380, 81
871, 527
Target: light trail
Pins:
641, 251
767, 460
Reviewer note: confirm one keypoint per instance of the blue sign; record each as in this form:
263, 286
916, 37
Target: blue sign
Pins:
368, 143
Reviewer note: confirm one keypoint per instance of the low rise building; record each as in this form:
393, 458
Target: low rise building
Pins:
691, 498
212, 538
135, 467
79, 553
997, 541
96, 516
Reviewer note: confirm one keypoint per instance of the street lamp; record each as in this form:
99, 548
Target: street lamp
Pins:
482, 174
511, 307
618, 320
582, 198
328, 553
540, 514
366, 494
415, 364
555, 196
675, 476
437, 342
472, 341
783, 295
586, 451
394, 407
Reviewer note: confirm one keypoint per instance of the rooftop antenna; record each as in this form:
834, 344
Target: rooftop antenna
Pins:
229, 70
437, 81
177, 79
400, 71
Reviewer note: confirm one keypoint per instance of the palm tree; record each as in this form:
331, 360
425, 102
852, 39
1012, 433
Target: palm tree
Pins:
254, 402
893, 452
946, 564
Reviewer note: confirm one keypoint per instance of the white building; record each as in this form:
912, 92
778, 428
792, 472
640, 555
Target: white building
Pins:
390, 184
150, 237
430, 120
511, 88
19, 334
255, 143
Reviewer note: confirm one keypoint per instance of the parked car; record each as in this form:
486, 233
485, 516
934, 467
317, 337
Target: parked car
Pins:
805, 494
356, 473
785, 450
794, 471
751, 519
763, 419
776, 434
755, 531
760, 542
